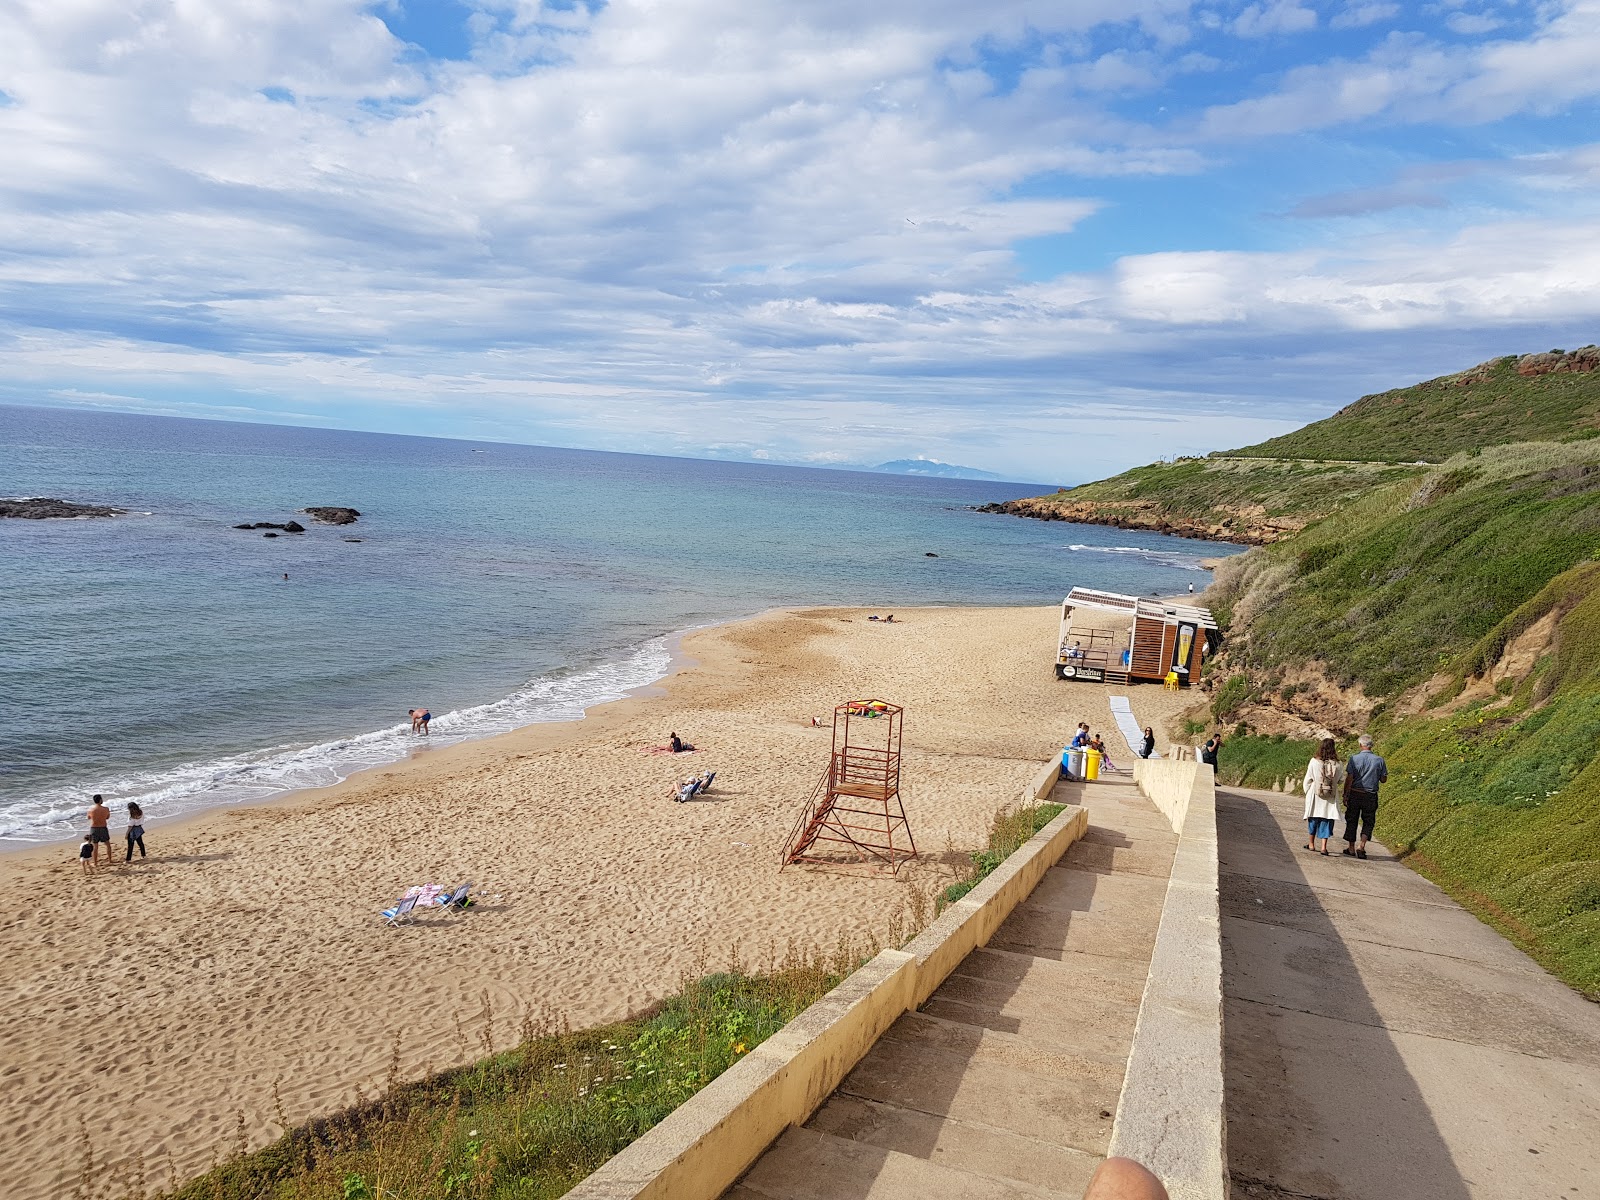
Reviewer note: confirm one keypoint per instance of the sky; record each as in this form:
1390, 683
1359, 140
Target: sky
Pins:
1048, 240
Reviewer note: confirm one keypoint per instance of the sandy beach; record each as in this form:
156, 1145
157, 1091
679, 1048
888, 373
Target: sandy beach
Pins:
160, 1007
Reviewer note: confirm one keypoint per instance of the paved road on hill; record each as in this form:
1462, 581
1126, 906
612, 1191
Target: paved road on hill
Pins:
1381, 1042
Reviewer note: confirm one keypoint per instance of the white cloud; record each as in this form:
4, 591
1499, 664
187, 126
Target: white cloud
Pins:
1358, 16
1274, 18
765, 228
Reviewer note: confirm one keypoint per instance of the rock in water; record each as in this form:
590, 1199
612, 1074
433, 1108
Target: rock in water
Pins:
269, 535
39, 508
929, 554
291, 527
332, 516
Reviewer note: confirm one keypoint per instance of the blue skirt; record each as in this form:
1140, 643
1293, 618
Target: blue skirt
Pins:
1320, 827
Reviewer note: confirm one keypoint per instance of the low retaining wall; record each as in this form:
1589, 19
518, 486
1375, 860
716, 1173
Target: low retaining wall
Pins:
700, 1151
1171, 1116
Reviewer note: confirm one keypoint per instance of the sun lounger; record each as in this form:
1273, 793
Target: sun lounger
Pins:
399, 912
705, 784
452, 901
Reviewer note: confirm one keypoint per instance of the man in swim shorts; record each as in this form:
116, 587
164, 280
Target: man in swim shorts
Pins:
100, 828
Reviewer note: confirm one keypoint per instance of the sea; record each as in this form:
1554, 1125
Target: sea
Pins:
170, 658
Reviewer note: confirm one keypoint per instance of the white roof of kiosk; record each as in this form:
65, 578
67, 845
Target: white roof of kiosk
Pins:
1134, 606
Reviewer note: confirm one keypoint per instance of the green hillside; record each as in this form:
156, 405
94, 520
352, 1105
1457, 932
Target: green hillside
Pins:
1467, 603
1261, 494
1534, 397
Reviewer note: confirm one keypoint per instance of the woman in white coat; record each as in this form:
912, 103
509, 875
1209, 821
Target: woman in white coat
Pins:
1324, 776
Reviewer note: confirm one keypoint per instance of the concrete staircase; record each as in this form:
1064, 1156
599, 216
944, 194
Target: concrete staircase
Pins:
1005, 1083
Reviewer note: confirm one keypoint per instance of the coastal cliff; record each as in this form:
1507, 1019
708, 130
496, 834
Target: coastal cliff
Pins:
1247, 525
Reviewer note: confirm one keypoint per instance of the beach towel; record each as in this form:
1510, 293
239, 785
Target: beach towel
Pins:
1122, 714
664, 750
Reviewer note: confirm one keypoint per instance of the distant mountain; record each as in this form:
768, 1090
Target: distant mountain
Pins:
933, 467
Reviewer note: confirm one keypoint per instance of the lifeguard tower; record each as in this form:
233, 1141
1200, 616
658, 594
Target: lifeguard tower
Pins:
855, 812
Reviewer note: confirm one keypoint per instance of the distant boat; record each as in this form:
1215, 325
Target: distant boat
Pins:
480, 452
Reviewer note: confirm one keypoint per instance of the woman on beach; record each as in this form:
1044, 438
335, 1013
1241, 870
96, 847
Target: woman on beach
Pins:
1149, 746
1324, 774
135, 830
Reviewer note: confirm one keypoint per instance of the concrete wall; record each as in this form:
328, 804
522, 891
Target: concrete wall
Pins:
699, 1151
1171, 1115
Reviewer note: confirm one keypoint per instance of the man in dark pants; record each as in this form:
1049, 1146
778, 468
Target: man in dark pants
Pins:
1364, 773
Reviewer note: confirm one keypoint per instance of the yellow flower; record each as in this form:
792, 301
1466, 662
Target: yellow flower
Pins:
738, 1048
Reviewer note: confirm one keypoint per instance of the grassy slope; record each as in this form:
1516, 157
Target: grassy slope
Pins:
1200, 487
1424, 582
1267, 491
1487, 405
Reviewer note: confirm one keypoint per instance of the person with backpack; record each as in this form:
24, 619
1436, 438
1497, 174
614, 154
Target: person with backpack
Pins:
1324, 775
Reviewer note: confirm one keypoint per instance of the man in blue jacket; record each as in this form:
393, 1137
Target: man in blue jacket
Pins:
1363, 775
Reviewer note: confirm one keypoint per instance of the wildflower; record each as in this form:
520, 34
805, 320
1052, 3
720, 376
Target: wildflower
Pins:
738, 1048
472, 1133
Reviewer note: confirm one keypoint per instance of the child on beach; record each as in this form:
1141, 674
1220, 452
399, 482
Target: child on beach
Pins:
86, 854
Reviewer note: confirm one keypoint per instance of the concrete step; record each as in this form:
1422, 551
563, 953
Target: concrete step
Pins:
985, 1077
807, 1164
978, 1149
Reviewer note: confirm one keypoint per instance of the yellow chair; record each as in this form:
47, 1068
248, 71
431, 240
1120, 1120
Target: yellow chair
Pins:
1171, 681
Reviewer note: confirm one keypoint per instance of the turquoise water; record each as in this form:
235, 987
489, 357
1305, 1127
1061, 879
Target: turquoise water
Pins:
162, 655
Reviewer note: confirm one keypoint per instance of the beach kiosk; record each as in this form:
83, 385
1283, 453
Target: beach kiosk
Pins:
1109, 637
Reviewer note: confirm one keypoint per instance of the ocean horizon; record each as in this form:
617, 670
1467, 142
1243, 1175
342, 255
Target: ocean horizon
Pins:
163, 656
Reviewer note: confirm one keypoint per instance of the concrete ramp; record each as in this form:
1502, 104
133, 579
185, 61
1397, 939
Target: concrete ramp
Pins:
1005, 1082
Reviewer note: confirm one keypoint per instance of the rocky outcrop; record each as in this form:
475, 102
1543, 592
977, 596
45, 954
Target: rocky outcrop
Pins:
1559, 362
1248, 525
329, 515
40, 508
289, 527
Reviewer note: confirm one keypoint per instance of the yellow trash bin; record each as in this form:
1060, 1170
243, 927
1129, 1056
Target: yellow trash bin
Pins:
1091, 764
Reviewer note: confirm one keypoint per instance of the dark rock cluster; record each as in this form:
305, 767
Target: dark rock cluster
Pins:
289, 527
329, 515
38, 508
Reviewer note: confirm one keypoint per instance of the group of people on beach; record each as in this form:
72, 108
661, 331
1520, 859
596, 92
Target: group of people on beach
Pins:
1327, 781
98, 838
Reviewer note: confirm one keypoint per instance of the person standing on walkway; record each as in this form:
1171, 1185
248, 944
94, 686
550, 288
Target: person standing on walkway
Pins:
1324, 775
135, 831
100, 828
1212, 748
1149, 747
1361, 781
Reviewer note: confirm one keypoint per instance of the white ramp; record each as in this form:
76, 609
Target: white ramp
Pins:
1122, 713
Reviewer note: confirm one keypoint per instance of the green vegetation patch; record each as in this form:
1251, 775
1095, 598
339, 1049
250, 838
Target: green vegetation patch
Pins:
1393, 588
1264, 762
1489, 405
1011, 829
1220, 488
532, 1122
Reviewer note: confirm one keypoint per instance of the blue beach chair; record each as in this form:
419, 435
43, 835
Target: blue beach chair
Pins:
399, 913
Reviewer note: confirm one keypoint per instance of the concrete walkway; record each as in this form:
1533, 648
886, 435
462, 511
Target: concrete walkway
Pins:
1005, 1083
1380, 1041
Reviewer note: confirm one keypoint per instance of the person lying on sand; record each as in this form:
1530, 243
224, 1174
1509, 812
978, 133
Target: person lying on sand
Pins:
679, 746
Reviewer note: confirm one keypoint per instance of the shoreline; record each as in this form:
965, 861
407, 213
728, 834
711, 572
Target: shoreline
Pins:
677, 660
247, 966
